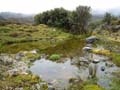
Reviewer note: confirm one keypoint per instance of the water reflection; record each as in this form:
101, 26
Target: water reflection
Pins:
57, 74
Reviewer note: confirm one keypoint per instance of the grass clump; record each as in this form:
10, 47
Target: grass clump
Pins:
55, 57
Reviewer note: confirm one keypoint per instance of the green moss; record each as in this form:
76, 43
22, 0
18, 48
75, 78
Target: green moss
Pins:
76, 86
20, 81
116, 58
92, 87
55, 57
101, 52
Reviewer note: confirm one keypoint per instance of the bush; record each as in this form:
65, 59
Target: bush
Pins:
55, 57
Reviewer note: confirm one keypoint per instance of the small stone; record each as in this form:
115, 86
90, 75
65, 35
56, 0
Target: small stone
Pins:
96, 61
102, 68
87, 48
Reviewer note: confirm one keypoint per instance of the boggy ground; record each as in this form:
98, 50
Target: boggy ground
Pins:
15, 38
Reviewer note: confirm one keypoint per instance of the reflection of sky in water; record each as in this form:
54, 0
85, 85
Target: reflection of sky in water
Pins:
52, 71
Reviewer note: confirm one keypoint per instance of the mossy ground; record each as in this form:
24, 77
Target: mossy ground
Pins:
90, 84
19, 81
14, 38
92, 87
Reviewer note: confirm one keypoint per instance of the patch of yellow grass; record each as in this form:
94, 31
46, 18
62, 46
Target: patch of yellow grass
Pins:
92, 87
101, 52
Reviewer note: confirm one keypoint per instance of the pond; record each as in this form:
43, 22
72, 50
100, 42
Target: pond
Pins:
59, 74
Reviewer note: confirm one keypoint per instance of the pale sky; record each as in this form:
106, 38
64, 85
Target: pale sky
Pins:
36, 6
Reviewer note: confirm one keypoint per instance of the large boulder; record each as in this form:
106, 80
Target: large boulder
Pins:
91, 39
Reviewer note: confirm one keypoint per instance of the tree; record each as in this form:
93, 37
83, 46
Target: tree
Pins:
81, 18
107, 18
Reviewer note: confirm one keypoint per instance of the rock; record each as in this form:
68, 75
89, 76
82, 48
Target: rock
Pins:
19, 56
92, 69
24, 73
87, 48
89, 45
83, 61
50, 87
33, 51
109, 64
102, 68
13, 72
115, 28
91, 39
96, 61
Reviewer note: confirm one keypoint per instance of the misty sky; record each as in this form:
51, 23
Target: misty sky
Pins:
36, 6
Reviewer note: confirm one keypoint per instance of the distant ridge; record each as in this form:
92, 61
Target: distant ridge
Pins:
17, 17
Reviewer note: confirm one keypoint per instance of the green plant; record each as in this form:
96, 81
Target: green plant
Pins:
55, 57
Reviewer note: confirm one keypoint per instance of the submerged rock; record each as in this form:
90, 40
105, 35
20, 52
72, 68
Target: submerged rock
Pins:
102, 68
